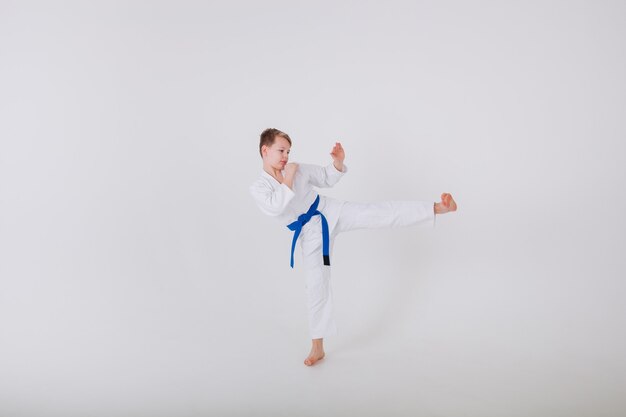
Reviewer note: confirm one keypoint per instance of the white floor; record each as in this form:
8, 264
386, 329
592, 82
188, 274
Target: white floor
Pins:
430, 340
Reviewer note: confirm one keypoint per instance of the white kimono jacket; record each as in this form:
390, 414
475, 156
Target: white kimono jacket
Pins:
278, 200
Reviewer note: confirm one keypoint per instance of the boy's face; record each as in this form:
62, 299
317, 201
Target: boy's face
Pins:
277, 155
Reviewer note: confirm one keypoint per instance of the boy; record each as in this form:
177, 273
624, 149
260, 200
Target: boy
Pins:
285, 191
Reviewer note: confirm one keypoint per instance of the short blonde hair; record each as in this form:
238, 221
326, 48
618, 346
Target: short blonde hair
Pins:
268, 136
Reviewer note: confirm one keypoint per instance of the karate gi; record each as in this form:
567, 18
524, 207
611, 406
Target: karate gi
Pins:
278, 200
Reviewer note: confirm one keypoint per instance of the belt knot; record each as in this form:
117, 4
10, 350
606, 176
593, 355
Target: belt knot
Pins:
303, 219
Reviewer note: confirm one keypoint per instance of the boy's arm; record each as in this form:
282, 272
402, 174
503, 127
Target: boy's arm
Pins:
332, 173
323, 177
338, 154
290, 173
271, 202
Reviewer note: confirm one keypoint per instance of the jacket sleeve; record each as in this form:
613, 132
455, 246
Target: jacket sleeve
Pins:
271, 202
323, 177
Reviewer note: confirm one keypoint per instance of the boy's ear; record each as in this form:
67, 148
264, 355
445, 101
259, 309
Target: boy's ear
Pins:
264, 149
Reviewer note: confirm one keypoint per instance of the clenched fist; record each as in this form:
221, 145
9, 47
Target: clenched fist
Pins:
290, 169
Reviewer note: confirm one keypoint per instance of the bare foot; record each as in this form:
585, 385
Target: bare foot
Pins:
447, 204
314, 356
317, 353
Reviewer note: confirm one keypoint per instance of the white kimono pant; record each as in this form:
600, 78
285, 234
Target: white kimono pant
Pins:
351, 216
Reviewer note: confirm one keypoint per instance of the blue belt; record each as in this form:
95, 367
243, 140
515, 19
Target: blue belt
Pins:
304, 219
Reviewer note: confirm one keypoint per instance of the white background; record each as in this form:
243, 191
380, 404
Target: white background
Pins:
138, 278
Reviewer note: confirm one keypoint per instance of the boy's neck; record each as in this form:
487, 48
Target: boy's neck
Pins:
276, 173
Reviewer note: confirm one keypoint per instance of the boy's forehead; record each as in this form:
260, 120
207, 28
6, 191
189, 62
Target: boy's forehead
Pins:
282, 142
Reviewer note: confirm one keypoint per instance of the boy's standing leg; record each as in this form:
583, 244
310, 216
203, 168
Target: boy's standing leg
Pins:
318, 289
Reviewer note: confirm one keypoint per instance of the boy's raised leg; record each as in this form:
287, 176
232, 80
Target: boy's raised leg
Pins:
446, 205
